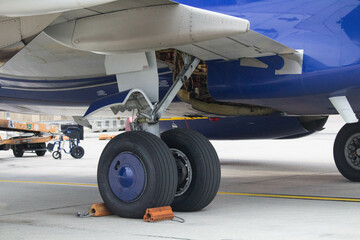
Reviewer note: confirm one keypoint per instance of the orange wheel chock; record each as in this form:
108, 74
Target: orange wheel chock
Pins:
106, 137
158, 214
99, 210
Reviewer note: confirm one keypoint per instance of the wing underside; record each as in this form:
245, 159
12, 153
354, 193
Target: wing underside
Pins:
248, 44
98, 29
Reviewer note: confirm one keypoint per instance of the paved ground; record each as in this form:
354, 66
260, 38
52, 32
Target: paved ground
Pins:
302, 167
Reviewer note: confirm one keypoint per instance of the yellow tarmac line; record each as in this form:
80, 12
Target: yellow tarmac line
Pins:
292, 197
52, 183
220, 193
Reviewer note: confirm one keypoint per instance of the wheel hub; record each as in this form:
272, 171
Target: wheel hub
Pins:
352, 151
127, 177
77, 152
184, 171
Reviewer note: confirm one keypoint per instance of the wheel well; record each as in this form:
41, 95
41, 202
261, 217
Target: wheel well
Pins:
195, 89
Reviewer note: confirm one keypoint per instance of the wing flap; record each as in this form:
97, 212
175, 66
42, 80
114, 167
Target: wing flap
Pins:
246, 45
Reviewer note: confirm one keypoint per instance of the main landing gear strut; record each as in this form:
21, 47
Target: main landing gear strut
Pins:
139, 170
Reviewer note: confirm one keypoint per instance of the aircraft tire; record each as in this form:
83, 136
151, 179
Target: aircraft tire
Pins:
347, 151
136, 171
199, 186
77, 152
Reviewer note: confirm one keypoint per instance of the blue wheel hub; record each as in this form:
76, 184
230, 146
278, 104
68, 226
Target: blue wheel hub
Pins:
127, 177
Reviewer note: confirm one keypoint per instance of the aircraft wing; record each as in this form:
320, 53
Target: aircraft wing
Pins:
246, 44
22, 20
128, 26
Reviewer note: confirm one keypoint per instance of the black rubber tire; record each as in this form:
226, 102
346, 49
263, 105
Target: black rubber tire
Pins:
339, 155
77, 152
206, 172
56, 155
40, 153
18, 152
160, 167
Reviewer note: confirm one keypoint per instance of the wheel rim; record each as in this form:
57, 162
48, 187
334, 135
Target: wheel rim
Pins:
352, 151
127, 177
78, 152
184, 171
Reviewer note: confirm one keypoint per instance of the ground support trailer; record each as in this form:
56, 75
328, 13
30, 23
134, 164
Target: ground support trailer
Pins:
33, 141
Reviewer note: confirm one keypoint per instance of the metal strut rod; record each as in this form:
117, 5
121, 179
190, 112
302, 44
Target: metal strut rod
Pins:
190, 64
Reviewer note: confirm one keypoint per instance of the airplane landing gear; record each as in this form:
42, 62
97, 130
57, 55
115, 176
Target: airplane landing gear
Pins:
347, 151
139, 170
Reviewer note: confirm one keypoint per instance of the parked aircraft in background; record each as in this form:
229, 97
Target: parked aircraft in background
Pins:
284, 66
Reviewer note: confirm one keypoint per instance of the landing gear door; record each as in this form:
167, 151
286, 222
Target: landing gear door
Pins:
135, 70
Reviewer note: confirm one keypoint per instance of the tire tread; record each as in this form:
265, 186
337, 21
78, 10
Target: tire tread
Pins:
210, 168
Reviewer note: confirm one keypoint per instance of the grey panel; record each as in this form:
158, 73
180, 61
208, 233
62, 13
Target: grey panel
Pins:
7, 53
128, 4
228, 48
74, 14
80, 13
201, 53
107, 8
2, 19
59, 20
10, 32
15, 33
246, 45
47, 59
263, 43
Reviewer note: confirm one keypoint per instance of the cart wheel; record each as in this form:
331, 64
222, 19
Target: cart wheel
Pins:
40, 153
56, 155
18, 152
77, 152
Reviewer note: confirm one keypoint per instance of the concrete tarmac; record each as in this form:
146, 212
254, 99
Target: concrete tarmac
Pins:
40, 196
